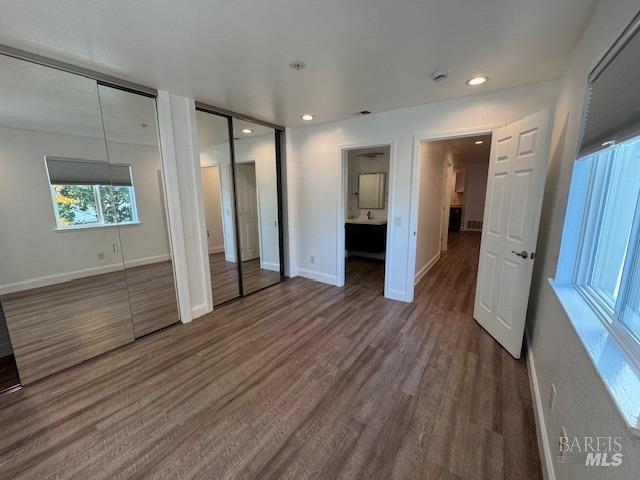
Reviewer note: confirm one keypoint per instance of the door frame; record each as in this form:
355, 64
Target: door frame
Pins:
415, 189
343, 151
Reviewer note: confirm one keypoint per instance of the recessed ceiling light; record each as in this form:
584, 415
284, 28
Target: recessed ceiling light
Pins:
307, 117
247, 130
478, 142
475, 81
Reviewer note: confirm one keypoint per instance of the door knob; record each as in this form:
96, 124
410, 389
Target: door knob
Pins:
522, 254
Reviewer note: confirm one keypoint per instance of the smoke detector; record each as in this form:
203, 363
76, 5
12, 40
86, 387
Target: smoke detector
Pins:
439, 75
297, 65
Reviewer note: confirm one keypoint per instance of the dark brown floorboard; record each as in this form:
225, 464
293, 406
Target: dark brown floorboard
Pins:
302, 380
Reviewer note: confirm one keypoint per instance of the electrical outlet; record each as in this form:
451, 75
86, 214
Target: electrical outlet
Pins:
552, 397
100, 256
312, 259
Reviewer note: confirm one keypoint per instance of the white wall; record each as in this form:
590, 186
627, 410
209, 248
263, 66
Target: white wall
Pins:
212, 199
434, 159
475, 190
40, 255
358, 165
314, 163
582, 405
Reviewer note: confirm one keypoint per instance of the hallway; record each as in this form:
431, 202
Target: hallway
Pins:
302, 380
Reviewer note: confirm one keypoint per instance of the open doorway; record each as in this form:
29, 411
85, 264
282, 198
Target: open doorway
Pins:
452, 186
366, 207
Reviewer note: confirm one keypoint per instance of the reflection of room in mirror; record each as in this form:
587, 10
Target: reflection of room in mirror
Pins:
218, 201
90, 267
257, 203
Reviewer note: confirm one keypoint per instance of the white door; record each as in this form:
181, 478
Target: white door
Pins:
248, 211
515, 186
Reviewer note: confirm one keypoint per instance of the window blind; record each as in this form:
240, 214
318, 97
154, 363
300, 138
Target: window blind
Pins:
74, 171
613, 105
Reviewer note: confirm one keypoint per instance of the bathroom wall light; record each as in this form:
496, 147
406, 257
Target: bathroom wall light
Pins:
307, 117
247, 130
475, 81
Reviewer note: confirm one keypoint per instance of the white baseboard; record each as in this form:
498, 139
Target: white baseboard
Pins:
546, 455
76, 274
317, 276
199, 310
423, 271
275, 267
217, 249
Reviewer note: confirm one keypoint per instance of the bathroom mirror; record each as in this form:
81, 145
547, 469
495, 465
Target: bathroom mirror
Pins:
371, 190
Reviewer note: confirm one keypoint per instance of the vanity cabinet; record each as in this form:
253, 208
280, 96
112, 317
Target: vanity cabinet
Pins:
362, 237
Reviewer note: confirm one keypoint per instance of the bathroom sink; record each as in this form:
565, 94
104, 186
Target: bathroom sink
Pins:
366, 221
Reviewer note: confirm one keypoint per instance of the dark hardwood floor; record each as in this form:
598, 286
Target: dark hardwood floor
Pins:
301, 380
224, 278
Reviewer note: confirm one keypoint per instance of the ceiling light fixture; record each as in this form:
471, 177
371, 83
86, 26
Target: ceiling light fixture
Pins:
475, 81
478, 142
608, 143
307, 117
247, 130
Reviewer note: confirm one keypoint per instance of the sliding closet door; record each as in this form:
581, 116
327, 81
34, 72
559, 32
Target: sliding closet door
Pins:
256, 182
137, 202
218, 200
62, 283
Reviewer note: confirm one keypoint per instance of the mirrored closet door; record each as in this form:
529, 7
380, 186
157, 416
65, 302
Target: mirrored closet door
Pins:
84, 254
218, 200
137, 200
257, 203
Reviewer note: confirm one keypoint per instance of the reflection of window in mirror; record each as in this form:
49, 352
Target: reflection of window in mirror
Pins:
91, 194
371, 190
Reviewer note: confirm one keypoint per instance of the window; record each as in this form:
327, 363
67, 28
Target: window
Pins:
91, 194
93, 205
607, 267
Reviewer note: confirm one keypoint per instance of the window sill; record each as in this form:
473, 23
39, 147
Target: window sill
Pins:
619, 373
91, 227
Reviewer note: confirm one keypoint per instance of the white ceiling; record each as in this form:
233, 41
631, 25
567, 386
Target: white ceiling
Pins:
361, 54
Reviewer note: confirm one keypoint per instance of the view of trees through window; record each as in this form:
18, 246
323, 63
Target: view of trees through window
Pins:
94, 205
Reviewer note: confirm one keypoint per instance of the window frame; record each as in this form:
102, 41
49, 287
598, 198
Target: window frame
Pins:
592, 218
99, 210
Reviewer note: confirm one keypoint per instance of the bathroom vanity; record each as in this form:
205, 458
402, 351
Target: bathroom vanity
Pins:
364, 235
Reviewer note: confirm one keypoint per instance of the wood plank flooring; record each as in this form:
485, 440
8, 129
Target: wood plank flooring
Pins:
301, 380
61, 325
224, 278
